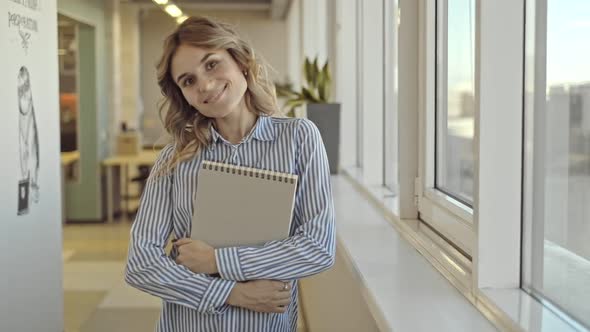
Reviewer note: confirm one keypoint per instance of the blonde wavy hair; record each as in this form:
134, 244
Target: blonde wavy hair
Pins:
189, 128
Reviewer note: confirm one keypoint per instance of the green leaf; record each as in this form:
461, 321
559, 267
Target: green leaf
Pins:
318, 82
322, 93
316, 72
322, 86
307, 71
295, 103
291, 105
327, 82
285, 92
309, 95
326, 71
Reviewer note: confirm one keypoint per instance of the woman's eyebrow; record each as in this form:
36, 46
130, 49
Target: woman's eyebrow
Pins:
202, 60
206, 57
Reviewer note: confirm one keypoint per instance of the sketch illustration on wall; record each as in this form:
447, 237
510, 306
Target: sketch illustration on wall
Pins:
25, 36
28, 184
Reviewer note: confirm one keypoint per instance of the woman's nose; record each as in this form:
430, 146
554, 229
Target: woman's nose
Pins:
205, 85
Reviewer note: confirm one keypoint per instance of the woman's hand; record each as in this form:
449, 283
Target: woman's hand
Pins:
261, 296
196, 255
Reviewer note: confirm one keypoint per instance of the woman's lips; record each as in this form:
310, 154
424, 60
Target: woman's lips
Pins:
216, 98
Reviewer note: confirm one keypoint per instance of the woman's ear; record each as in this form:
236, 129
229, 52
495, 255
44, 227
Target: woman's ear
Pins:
244, 70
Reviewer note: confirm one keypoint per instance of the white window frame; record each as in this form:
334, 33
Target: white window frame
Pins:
371, 97
447, 216
535, 99
534, 154
390, 97
359, 83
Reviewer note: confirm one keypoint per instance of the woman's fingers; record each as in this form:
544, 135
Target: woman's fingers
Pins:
283, 286
279, 310
182, 241
282, 295
283, 302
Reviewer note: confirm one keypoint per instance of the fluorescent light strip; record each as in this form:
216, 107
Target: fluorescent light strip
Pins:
181, 19
173, 10
161, 2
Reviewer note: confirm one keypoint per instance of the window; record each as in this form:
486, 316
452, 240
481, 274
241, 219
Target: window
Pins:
445, 185
557, 158
455, 99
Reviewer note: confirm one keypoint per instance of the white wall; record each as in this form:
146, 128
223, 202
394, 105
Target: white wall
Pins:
345, 78
335, 300
372, 91
294, 49
267, 36
30, 243
130, 65
314, 28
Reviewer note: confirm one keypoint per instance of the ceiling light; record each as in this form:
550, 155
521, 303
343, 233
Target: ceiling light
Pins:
161, 2
181, 19
173, 10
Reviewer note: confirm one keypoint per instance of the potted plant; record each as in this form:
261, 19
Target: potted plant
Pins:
315, 95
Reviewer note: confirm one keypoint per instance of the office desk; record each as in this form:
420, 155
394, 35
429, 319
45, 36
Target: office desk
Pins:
145, 157
68, 158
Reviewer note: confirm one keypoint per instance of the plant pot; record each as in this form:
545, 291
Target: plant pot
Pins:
327, 118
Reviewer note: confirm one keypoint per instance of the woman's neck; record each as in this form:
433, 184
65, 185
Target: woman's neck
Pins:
234, 127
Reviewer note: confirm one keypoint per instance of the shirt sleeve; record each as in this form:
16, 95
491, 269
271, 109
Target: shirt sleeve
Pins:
149, 269
311, 248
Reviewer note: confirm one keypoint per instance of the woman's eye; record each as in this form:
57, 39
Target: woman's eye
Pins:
188, 82
211, 65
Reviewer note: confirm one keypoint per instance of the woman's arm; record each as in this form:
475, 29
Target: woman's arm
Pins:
149, 268
311, 249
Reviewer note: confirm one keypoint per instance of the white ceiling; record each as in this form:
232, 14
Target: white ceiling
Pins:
277, 8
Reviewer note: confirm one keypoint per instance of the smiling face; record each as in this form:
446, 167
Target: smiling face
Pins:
210, 80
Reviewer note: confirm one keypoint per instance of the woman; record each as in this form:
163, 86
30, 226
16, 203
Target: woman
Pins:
28, 185
218, 107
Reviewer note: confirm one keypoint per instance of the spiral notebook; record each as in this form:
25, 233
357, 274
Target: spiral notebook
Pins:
242, 206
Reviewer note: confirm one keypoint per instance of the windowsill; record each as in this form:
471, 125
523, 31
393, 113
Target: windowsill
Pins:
403, 291
406, 284
385, 196
525, 312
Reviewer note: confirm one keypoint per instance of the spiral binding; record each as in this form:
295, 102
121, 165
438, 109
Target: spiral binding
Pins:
248, 171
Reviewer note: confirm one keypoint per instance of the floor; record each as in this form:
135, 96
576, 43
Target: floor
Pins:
96, 298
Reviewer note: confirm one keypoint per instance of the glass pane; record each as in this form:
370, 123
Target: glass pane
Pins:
455, 99
560, 176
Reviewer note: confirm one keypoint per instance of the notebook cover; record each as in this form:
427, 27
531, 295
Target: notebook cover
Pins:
239, 206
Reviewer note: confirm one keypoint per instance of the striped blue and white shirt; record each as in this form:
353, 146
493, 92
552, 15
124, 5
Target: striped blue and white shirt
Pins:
196, 302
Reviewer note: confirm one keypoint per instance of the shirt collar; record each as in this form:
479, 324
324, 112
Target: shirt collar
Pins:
263, 131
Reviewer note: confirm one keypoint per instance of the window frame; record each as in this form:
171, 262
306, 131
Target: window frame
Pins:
446, 215
359, 30
534, 105
390, 97
536, 97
